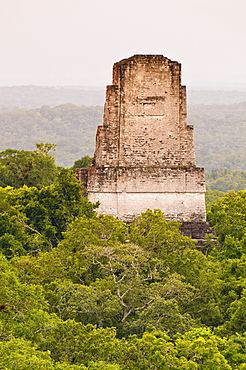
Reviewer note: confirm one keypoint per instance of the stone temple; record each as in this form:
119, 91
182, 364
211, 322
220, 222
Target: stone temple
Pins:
144, 156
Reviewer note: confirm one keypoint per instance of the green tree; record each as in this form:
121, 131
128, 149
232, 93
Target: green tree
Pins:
84, 162
31, 168
45, 148
153, 232
95, 304
204, 348
34, 219
74, 342
228, 217
23, 308
19, 354
22, 355
211, 196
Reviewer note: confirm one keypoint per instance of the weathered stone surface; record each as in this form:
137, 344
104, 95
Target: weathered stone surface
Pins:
145, 116
144, 155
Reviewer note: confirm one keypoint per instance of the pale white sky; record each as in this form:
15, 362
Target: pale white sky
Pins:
76, 42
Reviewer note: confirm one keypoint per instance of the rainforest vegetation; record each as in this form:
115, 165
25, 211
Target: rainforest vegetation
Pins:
85, 291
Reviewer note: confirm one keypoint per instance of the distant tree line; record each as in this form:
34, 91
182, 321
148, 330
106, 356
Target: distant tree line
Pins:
70, 127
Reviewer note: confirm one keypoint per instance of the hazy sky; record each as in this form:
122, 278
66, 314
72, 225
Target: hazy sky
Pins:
76, 42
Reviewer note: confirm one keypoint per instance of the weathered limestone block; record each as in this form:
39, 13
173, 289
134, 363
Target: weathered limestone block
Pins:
125, 206
145, 179
145, 116
145, 155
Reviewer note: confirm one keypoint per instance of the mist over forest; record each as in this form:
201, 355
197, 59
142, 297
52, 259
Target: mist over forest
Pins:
30, 96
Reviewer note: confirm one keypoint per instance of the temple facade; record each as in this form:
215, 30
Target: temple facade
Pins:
144, 156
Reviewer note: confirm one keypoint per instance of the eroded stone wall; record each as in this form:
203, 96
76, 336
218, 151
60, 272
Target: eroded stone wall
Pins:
145, 116
144, 155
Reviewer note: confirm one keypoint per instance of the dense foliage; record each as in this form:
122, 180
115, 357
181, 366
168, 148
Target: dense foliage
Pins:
31, 168
85, 291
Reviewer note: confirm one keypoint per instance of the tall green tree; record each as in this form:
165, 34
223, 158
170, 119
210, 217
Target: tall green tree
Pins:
31, 168
83, 162
34, 219
228, 217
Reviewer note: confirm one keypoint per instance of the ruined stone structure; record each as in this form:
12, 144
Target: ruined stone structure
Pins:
144, 155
